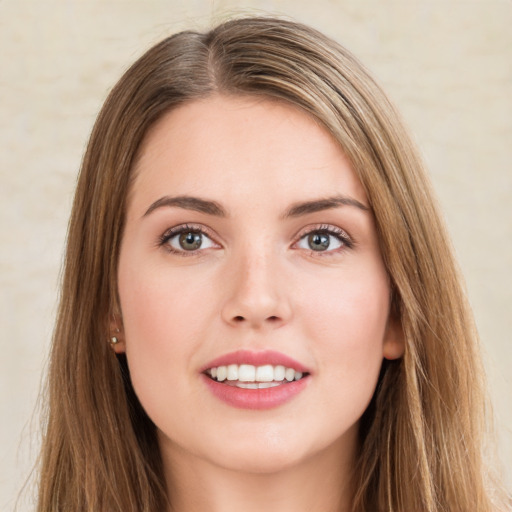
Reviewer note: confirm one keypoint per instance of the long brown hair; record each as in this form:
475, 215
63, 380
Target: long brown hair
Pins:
421, 437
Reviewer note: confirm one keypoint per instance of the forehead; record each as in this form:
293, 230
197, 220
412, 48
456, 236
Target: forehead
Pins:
242, 148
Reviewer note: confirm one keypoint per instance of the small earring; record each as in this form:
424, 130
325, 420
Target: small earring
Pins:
114, 340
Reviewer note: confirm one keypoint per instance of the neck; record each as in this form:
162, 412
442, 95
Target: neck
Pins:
321, 483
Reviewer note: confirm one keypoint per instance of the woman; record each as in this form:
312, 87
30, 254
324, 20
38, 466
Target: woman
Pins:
255, 237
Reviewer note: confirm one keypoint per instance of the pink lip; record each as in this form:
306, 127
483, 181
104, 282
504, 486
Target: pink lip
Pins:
256, 399
256, 359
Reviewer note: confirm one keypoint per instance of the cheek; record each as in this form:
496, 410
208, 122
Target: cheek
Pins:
347, 309
162, 329
347, 318
160, 303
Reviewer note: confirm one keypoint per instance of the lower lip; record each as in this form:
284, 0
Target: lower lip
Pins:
256, 399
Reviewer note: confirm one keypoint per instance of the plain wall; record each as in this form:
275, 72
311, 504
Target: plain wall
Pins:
446, 64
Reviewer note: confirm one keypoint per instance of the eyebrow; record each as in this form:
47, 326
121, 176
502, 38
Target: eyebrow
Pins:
188, 203
307, 207
213, 208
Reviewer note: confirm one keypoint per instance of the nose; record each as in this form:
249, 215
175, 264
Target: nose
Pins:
257, 294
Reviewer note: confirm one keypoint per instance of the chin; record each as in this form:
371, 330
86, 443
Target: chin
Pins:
268, 451
259, 461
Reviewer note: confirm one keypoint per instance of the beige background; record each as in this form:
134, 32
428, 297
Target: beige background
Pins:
447, 64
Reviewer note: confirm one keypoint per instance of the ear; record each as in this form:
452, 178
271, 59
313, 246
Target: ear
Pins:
393, 346
116, 332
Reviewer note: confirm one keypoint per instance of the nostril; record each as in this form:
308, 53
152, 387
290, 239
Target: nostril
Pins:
238, 319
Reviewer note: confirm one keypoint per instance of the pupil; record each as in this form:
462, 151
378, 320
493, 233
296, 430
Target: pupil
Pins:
318, 241
190, 241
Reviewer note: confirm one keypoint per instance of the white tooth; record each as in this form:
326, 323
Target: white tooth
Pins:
289, 374
232, 372
263, 385
247, 385
213, 372
298, 375
279, 372
247, 373
265, 373
222, 373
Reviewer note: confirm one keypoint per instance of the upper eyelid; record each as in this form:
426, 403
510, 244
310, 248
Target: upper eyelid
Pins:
329, 228
180, 228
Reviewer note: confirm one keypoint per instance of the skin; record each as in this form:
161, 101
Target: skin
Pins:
254, 284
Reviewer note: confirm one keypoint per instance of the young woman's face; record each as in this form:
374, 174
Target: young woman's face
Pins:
254, 300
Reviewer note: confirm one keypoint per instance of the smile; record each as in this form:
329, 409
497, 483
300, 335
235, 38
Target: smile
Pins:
255, 380
248, 376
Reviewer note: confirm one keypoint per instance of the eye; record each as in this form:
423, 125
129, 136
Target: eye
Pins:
325, 239
186, 239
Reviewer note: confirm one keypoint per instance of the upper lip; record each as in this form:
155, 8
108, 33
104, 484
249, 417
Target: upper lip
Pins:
259, 358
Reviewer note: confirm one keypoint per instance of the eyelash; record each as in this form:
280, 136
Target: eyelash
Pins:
327, 229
